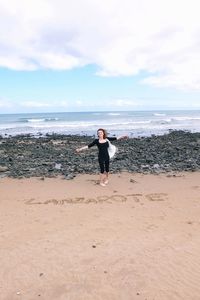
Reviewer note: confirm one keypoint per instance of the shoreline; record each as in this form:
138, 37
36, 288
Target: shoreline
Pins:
132, 123
138, 237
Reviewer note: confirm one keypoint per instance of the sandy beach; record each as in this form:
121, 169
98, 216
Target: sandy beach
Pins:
137, 238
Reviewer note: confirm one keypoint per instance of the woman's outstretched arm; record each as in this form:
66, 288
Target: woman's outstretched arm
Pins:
87, 147
82, 148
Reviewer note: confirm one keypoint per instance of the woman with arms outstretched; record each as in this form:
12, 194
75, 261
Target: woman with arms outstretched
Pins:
103, 157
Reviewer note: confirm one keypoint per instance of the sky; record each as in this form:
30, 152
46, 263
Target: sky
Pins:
99, 55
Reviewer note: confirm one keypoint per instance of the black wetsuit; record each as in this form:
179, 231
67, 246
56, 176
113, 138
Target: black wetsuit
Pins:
103, 156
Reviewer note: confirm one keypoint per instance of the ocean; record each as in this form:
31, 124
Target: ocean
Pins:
133, 123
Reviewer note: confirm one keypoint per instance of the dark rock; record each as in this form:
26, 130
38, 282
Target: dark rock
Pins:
54, 155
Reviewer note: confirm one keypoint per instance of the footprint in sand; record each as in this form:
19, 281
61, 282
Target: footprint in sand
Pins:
195, 187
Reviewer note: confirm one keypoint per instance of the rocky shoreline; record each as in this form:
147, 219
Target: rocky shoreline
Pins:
54, 155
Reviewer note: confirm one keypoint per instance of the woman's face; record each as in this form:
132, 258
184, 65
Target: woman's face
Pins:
100, 133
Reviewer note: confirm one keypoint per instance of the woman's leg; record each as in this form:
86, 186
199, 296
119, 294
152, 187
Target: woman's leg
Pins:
107, 163
102, 170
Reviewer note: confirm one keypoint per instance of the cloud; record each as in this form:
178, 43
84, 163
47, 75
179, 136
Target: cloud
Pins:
122, 38
40, 104
33, 104
124, 103
5, 104
108, 104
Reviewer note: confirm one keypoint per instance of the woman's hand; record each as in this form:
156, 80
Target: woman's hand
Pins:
82, 148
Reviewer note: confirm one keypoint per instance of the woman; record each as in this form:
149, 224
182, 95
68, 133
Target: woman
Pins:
103, 156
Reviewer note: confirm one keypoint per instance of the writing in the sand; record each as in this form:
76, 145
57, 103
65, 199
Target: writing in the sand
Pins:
101, 199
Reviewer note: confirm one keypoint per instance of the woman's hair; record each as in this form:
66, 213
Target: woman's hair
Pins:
104, 132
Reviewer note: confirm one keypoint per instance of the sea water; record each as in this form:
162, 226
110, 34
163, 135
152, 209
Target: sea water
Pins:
132, 123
